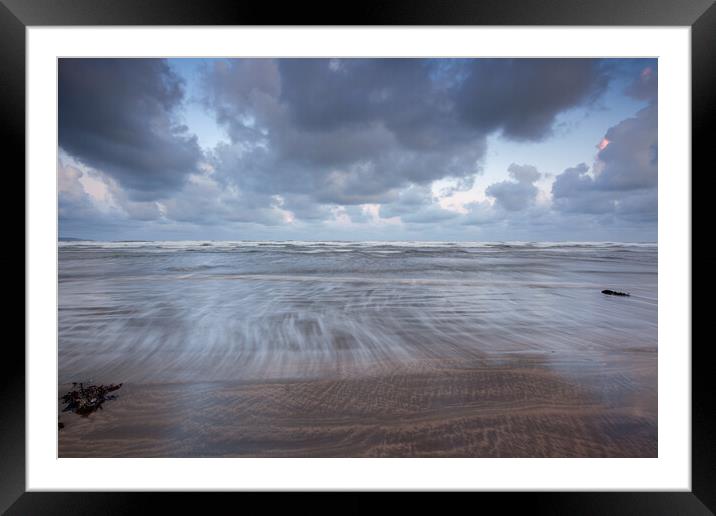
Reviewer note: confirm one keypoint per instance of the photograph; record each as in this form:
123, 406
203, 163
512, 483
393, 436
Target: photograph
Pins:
357, 257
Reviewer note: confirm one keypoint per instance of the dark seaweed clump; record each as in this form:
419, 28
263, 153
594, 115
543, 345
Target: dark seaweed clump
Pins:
614, 293
85, 400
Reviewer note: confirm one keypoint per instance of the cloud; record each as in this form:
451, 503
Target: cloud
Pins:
359, 214
524, 173
629, 161
522, 97
303, 207
118, 116
336, 143
204, 201
356, 131
89, 195
574, 191
428, 215
623, 181
645, 86
80, 214
518, 194
73, 200
480, 213
408, 200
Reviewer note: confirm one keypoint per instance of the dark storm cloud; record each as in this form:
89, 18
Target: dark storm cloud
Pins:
316, 140
117, 115
344, 131
403, 95
630, 159
522, 97
354, 131
646, 85
624, 179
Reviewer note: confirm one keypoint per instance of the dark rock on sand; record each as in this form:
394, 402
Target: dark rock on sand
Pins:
614, 293
85, 400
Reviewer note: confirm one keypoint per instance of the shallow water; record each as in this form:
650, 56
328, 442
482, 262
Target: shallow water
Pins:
162, 312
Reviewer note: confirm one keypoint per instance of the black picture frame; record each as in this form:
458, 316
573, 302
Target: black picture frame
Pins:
700, 15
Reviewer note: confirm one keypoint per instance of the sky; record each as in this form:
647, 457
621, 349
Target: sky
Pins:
358, 149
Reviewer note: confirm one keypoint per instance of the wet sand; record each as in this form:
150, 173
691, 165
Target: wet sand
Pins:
360, 349
516, 407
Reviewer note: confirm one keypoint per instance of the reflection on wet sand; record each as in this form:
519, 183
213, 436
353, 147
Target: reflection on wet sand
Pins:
520, 408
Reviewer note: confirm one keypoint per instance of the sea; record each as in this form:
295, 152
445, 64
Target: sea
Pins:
202, 311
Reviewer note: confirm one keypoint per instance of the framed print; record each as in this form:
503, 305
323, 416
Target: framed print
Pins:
390, 256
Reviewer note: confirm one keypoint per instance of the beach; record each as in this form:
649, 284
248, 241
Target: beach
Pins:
360, 349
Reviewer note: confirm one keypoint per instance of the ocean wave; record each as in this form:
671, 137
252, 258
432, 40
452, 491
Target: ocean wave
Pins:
383, 247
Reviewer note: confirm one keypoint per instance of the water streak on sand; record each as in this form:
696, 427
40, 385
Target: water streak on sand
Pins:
153, 311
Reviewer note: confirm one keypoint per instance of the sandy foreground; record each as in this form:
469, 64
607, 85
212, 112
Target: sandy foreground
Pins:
521, 407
